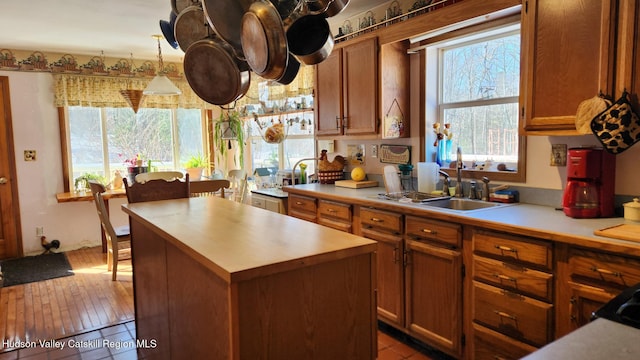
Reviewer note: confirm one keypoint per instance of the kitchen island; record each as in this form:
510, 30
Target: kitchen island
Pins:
220, 280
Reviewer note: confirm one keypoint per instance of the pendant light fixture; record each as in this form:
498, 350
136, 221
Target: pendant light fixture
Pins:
161, 85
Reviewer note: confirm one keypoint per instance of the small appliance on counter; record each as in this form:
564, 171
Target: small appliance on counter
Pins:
590, 183
624, 308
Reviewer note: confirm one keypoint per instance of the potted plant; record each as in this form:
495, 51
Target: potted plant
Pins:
227, 129
195, 165
81, 183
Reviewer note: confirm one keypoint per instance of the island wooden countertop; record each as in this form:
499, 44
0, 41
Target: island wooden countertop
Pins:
239, 242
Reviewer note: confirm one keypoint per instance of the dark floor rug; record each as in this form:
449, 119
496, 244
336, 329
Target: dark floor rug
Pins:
35, 268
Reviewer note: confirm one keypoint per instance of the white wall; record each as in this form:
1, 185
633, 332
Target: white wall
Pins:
35, 127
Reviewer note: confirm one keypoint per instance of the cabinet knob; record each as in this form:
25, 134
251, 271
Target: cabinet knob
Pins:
3, 180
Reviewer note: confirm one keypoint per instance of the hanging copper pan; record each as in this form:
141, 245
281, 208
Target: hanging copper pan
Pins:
225, 17
309, 38
214, 73
329, 8
190, 26
290, 72
177, 6
264, 41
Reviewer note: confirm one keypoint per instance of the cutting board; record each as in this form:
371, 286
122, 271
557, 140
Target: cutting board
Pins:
356, 184
629, 232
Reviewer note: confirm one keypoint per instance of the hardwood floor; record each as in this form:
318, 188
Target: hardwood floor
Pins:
89, 308
66, 306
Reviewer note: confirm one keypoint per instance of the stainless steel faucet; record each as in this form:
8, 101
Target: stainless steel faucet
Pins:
459, 166
446, 183
485, 188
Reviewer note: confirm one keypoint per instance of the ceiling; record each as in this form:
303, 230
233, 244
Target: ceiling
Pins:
120, 28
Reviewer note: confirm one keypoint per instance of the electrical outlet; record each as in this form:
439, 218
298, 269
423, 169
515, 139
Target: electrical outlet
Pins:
39, 231
558, 155
374, 151
29, 155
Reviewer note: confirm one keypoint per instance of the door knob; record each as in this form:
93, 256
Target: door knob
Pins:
3, 180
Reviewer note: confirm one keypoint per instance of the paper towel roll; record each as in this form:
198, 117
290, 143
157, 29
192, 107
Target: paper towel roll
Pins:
427, 176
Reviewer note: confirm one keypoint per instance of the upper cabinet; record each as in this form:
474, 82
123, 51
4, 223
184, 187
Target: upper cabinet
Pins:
347, 90
568, 50
357, 85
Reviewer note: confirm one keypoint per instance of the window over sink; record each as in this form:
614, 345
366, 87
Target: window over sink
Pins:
472, 96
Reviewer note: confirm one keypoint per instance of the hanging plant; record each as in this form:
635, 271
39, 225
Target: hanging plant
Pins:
229, 127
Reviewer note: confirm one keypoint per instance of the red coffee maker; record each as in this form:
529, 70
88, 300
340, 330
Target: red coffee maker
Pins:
591, 174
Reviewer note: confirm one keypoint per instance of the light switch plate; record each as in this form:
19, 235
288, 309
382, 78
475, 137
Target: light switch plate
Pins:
374, 151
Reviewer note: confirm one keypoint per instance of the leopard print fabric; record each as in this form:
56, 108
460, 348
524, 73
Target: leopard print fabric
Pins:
618, 127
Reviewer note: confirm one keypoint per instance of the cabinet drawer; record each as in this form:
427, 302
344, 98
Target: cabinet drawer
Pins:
334, 210
421, 229
518, 316
513, 249
302, 207
604, 268
258, 202
491, 345
383, 220
513, 277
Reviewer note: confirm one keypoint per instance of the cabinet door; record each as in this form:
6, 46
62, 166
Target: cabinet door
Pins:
360, 87
329, 95
434, 295
390, 273
584, 301
567, 57
628, 44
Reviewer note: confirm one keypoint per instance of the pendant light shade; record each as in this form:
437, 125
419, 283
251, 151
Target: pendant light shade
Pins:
161, 85
133, 97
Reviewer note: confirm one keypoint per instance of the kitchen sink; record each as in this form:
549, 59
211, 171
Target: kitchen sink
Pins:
462, 204
413, 196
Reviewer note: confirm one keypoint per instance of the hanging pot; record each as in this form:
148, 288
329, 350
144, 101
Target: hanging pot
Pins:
225, 17
264, 41
310, 39
329, 8
290, 72
167, 28
190, 27
177, 6
214, 73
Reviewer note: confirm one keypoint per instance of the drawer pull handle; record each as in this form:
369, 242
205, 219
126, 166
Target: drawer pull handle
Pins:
498, 357
377, 220
298, 203
505, 315
606, 272
506, 248
504, 277
331, 210
429, 231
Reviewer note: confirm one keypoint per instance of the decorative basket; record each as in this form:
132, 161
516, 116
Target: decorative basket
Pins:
330, 177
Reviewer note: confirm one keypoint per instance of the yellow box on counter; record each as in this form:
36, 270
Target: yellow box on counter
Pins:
356, 184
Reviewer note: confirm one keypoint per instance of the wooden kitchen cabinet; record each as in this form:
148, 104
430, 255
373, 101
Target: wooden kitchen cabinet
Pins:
512, 292
386, 228
335, 215
303, 207
593, 278
347, 90
568, 50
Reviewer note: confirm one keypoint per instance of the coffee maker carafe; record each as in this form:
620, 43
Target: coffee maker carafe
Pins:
590, 183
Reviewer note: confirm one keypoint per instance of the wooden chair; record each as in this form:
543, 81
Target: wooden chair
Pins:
158, 189
164, 175
122, 232
116, 249
208, 187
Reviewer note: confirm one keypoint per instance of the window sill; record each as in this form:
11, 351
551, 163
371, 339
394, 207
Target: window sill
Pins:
86, 196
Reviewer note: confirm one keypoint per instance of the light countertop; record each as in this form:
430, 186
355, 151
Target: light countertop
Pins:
533, 220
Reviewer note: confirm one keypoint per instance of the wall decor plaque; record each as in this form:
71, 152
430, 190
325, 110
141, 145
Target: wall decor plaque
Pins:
395, 154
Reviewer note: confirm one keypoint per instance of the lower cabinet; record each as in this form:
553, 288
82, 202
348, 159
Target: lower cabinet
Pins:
335, 215
512, 294
419, 276
591, 278
303, 207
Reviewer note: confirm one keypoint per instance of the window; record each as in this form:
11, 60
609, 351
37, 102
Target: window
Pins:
102, 139
477, 90
299, 143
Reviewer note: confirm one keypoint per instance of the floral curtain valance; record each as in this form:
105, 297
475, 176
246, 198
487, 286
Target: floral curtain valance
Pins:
104, 91
262, 89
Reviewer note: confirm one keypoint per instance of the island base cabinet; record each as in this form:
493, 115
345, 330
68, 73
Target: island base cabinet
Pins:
321, 310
